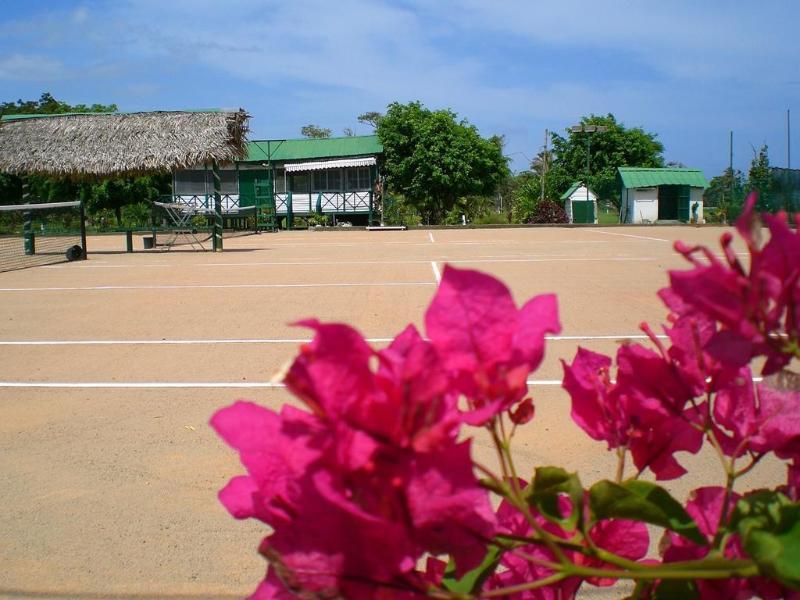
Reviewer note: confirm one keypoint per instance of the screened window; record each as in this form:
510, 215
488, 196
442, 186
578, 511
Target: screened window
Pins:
300, 183
363, 178
358, 179
228, 180
280, 182
352, 179
190, 183
334, 180
328, 180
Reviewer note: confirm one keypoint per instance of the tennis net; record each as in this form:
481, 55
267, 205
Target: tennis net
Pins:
41, 234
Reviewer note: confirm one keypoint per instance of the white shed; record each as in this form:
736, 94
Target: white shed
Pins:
580, 203
652, 195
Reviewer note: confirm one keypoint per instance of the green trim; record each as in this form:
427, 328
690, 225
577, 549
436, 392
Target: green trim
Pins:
635, 177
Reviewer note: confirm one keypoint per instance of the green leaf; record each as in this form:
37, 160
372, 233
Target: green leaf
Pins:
769, 525
472, 581
548, 484
643, 501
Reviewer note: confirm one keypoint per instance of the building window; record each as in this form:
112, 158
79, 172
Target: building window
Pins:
190, 183
358, 179
329, 180
300, 183
334, 180
229, 182
280, 181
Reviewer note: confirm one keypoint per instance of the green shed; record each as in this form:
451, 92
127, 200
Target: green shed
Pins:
651, 195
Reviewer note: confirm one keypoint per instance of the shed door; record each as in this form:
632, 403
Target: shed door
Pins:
583, 212
684, 196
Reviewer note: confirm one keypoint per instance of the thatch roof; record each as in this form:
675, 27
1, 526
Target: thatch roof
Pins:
107, 144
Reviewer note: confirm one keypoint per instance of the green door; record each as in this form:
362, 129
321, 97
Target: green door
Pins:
684, 196
583, 212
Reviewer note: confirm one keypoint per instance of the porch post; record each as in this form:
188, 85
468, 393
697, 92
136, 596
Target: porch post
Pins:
217, 207
29, 243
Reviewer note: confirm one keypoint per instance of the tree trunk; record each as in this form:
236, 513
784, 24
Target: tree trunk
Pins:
118, 215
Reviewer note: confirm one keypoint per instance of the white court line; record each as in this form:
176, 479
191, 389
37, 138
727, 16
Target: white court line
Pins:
267, 341
436, 274
430, 236
105, 288
194, 384
537, 260
178, 384
630, 235
309, 263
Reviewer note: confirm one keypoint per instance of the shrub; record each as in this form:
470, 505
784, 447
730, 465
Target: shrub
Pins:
549, 211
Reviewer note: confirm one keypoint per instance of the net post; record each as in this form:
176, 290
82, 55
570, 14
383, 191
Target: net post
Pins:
83, 230
217, 207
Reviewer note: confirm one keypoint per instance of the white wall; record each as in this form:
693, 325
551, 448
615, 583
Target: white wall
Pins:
645, 205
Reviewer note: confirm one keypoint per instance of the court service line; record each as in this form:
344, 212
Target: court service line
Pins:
105, 288
179, 384
277, 341
430, 236
309, 263
630, 235
436, 274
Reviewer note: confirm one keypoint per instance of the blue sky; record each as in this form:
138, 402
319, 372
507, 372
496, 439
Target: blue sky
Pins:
689, 71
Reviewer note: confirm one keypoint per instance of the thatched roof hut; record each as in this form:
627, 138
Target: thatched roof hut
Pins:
107, 144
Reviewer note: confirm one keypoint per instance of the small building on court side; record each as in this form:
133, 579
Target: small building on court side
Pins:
580, 203
300, 177
651, 195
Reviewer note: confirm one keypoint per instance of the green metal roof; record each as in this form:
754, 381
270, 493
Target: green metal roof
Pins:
638, 177
304, 149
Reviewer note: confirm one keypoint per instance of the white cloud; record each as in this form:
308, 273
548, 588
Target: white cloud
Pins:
30, 67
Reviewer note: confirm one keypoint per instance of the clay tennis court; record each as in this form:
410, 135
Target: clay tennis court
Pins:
112, 367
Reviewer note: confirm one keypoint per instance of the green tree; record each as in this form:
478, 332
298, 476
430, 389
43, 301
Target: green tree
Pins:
760, 179
315, 131
370, 118
114, 194
47, 105
725, 193
433, 159
618, 146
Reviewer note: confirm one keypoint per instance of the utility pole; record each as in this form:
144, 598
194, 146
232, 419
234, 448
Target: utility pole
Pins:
730, 167
588, 130
544, 168
788, 140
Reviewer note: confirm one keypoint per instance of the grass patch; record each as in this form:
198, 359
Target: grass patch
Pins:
610, 218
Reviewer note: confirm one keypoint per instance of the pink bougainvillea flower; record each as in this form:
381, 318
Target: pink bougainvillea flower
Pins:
376, 460
757, 418
595, 405
486, 343
755, 307
628, 539
644, 411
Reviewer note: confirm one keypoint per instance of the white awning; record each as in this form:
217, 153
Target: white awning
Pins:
330, 164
